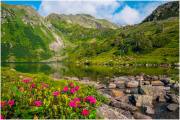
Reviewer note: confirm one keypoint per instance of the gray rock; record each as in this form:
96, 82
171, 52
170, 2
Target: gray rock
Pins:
154, 91
120, 84
139, 78
139, 115
149, 110
142, 100
166, 81
154, 78
132, 84
122, 105
107, 112
145, 82
172, 98
112, 85
132, 91
157, 83
172, 107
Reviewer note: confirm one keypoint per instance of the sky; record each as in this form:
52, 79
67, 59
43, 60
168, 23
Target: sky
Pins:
119, 12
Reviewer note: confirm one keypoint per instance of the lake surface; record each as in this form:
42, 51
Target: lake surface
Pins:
96, 73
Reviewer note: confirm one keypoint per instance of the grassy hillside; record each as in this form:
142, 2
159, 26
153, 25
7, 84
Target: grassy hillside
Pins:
24, 37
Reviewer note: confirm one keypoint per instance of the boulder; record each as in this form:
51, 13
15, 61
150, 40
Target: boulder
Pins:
132, 91
100, 86
139, 78
149, 110
117, 93
138, 115
112, 85
141, 100
157, 83
132, 84
172, 107
120, 84
153, 91
166, 81
172, 98
154, 78
145, 83
106, 112
124, 99
123, 106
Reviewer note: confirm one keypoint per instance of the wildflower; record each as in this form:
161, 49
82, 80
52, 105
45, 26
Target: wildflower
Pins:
77, 88
72, 91
72, 103
75, 102
3, 103
65, 89
56, 93
1, 117
33, 85
91, 99
85, 112
11, 103
26, 80
38, 103
71, 85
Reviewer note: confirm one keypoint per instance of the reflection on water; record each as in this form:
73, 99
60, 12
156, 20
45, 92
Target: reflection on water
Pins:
60, 70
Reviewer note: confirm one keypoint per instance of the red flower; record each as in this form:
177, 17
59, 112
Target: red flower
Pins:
3, 103
91, 99
72, 91
77, 88
75, 102
71, 85
65, 89
33, 85
11, 103
26, 80
38, 103
85, 112
56, 93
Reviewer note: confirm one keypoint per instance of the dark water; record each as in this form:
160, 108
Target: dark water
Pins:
96, 73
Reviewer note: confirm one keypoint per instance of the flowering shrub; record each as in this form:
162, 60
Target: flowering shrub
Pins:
40, 97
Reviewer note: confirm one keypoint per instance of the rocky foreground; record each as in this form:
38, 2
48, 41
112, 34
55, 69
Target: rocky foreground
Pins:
138, 97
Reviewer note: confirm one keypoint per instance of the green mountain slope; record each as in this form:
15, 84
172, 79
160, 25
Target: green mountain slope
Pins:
81, 38
24, 36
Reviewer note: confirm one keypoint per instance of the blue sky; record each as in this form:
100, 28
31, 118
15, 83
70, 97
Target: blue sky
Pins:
119, 12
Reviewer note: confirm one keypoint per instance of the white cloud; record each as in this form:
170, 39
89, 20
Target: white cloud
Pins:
127, 16
100, 9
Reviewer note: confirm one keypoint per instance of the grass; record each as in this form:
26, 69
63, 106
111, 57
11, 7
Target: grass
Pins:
50, 106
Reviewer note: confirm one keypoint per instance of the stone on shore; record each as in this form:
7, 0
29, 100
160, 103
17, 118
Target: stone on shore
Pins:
172, 107
141, 100
117, 93
107, 112
149, 110
123, 106
132, 84
157, 83
139, 115
112, 85
120, 84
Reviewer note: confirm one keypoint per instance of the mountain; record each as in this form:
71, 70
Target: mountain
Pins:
83, 20
81, 38
167, 10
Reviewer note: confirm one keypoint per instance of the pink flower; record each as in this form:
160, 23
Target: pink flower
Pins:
3, 103
33, 85
91, 99
72, 103
11, 103
77, 88
56, 93
71, 85
65, 89
26, 80
72, 91
75, 102
38, 103
1, 117
85, 112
